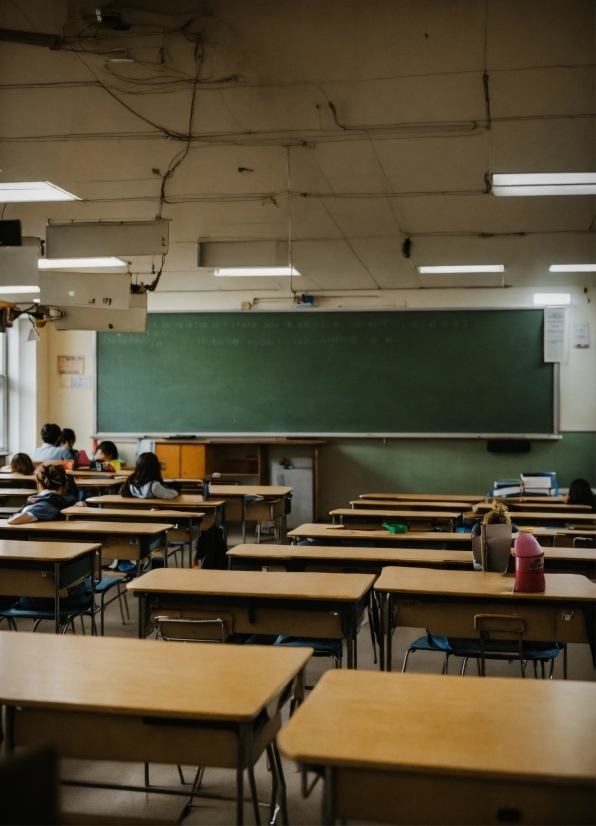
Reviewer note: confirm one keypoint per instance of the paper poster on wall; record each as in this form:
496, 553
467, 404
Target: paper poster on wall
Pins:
75, 381
580, 335
71, 364
554, 334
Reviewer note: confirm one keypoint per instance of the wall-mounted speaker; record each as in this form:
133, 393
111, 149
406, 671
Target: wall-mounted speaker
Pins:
508, 445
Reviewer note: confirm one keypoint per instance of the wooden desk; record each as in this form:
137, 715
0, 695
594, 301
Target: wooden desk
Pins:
15, 497
538, 499
574, 560
446, 602
184, 501
311, 557
257, 602
45, 569
563, 537
186, 525
421, 497
546, 519
545, 506
146, 701
415, 520
238, 509
410, 504
418, 539
21, 480
426, 749
121, 540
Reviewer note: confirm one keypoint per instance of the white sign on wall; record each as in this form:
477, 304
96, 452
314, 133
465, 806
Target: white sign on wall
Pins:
554, 334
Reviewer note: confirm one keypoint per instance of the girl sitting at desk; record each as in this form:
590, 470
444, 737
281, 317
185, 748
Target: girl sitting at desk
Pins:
107, 452
20, 463
580, 493
56, 491
147, 482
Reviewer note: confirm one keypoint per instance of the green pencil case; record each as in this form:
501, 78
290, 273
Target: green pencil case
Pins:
395, 527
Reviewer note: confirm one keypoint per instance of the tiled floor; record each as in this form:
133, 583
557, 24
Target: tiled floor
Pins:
222, 782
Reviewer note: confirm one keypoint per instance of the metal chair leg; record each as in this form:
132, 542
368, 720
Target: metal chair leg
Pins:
542, 672
552, 669
274, 784
464, 665
147, 774
180, 774
446, 663
535, 664
372, 634
564, 660
405, 665
196, 784
283, 802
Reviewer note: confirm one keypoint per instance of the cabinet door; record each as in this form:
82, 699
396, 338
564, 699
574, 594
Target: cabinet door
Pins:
169, 455
192, 461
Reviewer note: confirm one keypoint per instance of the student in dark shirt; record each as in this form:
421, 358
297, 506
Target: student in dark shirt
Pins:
580, 493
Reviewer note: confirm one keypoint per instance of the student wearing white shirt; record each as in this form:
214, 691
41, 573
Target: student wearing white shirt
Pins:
50, 450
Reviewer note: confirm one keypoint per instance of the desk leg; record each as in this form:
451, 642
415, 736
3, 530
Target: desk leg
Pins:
389, 629
328, 814
381, 608
243, 520
9, 731
142, 599
242, 761
57, 598
93, 623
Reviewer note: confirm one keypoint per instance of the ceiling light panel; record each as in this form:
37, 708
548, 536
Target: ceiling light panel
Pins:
572, 268
552, 299
254, 271
79, 263
31, 191
462, 268
21, 290
544, 183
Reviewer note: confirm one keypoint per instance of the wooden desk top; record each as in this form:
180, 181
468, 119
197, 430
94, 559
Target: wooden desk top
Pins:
422, 504
421, 497
523, 505
268, 491
573, 554
16, 477
541, 499
387, 555
105, 513
128, 528
16, 492
43, 551
539, 531
362, 513
545, 516
98, 482
481, 584
89, 474
276, 585
183, 500
378, 720
319, 530
144, 677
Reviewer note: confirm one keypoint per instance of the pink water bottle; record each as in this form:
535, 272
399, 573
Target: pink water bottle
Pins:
529, 564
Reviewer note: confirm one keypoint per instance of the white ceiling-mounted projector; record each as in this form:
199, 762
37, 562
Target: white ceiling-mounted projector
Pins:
103, 291
133, 320
107, 238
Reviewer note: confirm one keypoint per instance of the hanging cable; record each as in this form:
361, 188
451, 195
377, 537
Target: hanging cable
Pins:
290, 262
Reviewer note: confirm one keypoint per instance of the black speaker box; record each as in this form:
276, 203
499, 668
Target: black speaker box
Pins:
508, 445
10, 234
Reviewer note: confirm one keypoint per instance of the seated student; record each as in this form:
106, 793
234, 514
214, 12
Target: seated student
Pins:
146, 482
107, 452
50, 450
20, 463
68, 439
56, 491
580, 493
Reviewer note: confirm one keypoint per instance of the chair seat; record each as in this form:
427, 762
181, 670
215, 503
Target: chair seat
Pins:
471, 648
330, 647
22, 613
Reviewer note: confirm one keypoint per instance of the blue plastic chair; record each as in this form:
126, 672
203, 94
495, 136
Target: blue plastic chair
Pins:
67, 617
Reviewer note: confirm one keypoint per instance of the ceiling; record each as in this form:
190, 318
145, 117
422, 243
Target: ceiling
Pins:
372, 116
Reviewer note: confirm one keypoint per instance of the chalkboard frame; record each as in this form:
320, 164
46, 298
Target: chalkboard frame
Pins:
226, 436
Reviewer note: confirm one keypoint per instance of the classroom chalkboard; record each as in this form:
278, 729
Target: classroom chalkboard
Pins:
309, 372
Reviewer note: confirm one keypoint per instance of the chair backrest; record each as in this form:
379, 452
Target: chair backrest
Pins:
204, 628
510, 624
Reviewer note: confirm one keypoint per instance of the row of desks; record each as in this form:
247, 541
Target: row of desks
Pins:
407, 759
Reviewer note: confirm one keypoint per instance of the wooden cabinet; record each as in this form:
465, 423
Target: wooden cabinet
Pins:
185, 461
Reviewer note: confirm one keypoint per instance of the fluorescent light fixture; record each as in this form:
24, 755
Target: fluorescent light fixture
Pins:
79, 263
255, 271
572, 268
20, 289
29, 191
463, 268
545, 183
552, 299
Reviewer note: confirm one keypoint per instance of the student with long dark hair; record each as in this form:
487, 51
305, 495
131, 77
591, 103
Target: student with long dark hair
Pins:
580, 493
147, 482
20, 463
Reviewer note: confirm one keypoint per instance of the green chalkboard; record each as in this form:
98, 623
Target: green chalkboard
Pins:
310, 372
